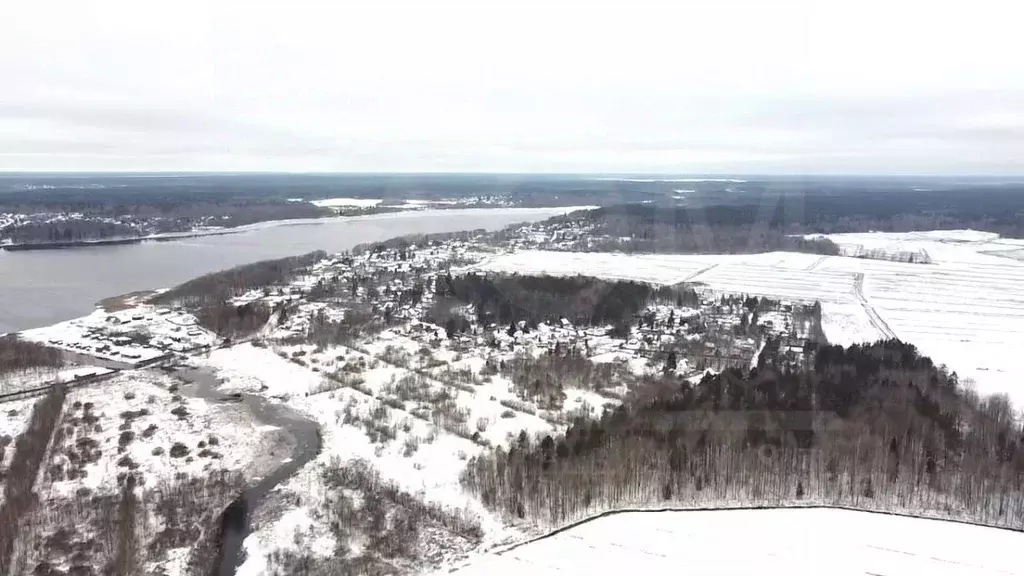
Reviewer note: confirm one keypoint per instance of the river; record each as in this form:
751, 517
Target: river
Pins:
42, 287
236, 525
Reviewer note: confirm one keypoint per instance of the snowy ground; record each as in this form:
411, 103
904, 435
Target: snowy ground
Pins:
36, 378
347, 202
423, 458
14, 417
964, 309
247, 368
808, 542
134, 420
939, 245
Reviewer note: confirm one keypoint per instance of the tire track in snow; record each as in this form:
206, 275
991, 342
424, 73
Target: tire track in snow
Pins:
691, 277
876, 320
816, 263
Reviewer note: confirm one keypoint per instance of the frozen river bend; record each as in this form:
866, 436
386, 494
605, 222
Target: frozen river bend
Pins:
962, 303
794, 542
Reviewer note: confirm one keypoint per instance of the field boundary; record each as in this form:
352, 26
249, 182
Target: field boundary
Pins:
578, 523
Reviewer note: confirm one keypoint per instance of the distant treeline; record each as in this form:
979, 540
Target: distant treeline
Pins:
218, 287
69, 231
99, 223
20, 478
774, 219
585, 301
713, 230
875, 426
161, 191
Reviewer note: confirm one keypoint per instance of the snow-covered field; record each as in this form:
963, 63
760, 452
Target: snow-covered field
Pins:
940, 245
964, 309
792, 542
247, 368
347, 202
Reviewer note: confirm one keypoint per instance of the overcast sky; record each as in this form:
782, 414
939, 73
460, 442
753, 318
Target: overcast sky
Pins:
718, 87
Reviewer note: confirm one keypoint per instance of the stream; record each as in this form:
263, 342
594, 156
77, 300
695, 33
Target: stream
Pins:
236, 519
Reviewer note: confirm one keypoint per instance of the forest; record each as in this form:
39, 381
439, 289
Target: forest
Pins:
68, 230
720, 216
774, 218
583, 300
17, 355
20, 478
710, 230
875, 426
209, 297
219, 287
98, 531
152, 196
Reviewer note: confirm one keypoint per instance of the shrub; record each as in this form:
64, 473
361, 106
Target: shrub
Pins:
179, 450
125, 439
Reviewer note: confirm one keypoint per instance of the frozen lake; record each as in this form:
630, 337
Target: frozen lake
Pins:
41, 287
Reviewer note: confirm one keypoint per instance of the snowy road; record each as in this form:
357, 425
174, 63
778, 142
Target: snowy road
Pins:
876, 320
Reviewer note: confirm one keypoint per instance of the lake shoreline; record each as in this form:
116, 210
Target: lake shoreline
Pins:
44, 287
172, 236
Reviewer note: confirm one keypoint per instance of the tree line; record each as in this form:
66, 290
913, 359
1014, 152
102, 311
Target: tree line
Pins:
20, 478
583, 300
716, 229
876, 426
69, 230
219, 287
230, 321
17, 355
119, 532
775, 217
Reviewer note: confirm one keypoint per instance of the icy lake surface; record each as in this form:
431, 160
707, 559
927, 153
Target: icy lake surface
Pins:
810, 542
42, 287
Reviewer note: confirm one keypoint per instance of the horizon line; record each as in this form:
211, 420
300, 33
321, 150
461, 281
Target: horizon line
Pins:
709, 175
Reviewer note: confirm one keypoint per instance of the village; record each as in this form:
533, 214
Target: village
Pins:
395, 288
131, 338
